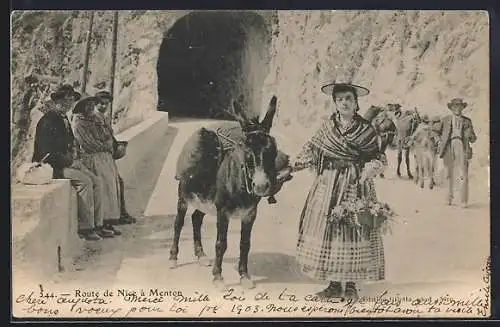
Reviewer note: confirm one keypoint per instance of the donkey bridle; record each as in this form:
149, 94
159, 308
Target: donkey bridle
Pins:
244, 166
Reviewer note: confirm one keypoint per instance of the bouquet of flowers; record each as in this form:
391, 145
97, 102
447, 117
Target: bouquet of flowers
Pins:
372, 169
360, 212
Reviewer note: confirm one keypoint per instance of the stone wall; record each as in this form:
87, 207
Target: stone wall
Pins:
44, 218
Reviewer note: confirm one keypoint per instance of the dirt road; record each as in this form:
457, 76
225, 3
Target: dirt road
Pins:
433, 248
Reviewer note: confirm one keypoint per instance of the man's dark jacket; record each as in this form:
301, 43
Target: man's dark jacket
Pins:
54, 137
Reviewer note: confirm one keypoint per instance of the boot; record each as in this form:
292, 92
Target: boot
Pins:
89, 235
334, 289
126, 218
109, 226
104, 233
350, 291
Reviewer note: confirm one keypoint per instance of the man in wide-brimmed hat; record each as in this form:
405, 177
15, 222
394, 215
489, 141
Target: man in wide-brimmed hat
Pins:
457, 132
54, 141
103, 99
53, 132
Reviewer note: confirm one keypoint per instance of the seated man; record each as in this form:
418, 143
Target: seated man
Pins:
54, 142
103, 100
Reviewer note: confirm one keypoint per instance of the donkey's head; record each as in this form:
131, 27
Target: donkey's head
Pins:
394, 108
384, 121
372, 112
376, 109
257, 152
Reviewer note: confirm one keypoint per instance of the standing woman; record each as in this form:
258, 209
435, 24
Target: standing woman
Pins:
96, 146
340, 225
104, 99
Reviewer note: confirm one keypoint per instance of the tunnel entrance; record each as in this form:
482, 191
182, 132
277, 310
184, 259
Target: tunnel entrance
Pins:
206, 59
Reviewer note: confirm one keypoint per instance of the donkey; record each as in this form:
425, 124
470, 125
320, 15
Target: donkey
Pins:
384, 126
424, 145
226, 184
435, 122
406, 123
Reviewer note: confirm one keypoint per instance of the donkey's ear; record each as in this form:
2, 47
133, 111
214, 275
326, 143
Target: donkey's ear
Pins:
267, 121
238, 113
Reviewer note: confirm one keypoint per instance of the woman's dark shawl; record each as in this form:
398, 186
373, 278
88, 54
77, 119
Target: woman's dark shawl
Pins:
357, 145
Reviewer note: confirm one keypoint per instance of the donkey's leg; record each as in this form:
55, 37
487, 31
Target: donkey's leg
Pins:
432, 161
422, 169
246, 234
382, 150
417, 168
390, 140
197, 220
400, 159
220, 247
178, 224
428, 169
407, 160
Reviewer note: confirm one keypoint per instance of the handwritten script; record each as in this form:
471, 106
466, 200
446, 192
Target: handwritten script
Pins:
236, 302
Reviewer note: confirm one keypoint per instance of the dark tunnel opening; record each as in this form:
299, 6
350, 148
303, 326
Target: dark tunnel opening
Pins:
206, 59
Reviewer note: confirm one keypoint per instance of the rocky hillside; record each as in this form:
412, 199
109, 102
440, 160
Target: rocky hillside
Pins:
52, 45
419, 59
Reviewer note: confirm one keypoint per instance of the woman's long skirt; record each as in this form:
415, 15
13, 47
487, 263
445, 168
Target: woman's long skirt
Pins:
340, 254
103, 165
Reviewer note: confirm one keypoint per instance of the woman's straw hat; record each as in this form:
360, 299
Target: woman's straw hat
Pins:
329, 88
80, 105
103, 95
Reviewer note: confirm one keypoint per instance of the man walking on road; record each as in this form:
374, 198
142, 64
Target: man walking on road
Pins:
103, 100
457, 132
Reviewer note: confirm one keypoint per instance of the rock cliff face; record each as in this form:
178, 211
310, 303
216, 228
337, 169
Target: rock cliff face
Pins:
419, 59
52, 44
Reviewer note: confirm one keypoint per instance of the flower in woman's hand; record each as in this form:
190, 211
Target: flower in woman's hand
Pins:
378, 166
369, 171
337, 211
360, 204
354, 219
383, 160
350, 205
